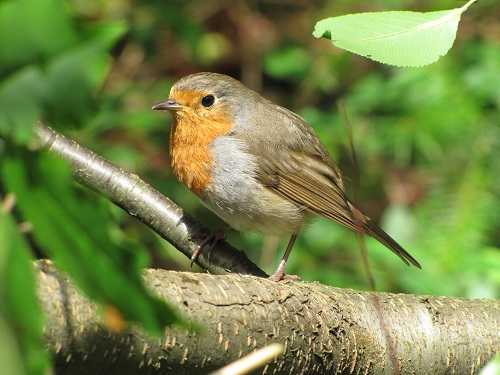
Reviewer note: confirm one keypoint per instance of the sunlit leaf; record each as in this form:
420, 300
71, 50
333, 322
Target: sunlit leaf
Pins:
396, 38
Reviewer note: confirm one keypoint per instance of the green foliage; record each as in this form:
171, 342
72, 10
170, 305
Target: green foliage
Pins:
51, 67
68, 224
427, 142
21, 320
396, 38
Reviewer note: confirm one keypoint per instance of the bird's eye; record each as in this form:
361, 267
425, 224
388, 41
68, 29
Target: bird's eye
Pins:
208, 101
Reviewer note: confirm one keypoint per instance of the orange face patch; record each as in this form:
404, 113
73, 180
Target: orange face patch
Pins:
194, 128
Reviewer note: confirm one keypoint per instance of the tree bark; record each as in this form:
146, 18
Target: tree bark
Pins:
325, 330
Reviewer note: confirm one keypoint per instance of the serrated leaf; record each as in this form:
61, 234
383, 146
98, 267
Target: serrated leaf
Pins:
396, 38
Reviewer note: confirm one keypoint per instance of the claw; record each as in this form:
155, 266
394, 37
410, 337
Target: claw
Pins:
279, 275
212, 239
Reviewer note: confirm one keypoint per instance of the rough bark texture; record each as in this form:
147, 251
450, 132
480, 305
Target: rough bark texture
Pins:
325, 330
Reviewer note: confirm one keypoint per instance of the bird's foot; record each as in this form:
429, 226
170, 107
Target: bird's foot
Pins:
210, 239
279, 275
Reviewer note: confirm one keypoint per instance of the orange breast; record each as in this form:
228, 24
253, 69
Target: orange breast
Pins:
190, 139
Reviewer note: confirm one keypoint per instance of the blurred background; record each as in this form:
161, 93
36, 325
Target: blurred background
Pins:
427, 139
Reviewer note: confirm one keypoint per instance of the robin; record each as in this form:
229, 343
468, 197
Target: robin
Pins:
258, 166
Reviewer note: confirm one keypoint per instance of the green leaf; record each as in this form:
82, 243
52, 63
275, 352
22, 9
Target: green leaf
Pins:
20, 104
10, 355
52, 67
71, 228
396, 38
21, 320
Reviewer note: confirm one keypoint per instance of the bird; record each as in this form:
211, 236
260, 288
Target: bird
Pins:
258, 166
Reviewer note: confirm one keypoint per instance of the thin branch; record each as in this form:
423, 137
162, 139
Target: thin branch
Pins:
145, 203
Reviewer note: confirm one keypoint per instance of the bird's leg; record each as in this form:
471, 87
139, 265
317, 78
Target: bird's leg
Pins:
279, 274
212, 239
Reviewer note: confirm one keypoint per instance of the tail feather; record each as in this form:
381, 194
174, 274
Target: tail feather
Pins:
378, 233
368, 227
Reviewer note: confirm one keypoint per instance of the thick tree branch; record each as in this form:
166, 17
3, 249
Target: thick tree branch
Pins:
324, 329
140, 200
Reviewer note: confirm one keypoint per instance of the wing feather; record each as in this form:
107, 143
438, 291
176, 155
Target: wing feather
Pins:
293, 163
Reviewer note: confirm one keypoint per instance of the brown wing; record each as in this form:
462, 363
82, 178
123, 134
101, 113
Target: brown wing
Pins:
299, 168
310, 183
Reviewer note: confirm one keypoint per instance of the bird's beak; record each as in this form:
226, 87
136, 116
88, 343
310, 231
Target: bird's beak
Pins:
168, 105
